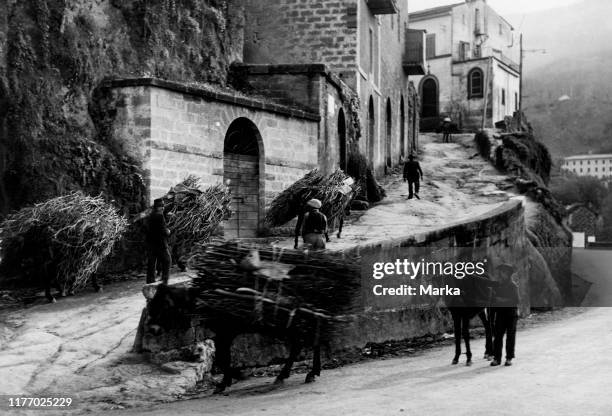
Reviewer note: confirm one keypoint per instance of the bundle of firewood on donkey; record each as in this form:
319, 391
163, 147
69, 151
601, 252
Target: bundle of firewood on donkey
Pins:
269, 286
298, 296
192, 214
335, 191
63, 241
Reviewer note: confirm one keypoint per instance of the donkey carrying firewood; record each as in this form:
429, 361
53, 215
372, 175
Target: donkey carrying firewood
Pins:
231, 296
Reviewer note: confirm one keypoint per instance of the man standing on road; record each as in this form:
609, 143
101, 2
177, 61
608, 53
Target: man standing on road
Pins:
447, 129
506, 314
313, 226
158, 252
413, 174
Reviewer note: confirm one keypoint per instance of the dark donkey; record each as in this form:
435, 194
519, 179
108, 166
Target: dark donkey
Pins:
475, 300
230, 300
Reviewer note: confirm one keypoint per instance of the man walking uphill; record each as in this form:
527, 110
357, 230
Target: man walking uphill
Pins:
157, 234
413, 174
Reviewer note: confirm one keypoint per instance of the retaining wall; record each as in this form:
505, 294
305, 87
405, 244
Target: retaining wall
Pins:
500, 233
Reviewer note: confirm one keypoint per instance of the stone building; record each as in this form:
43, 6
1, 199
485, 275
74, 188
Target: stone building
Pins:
472, 71
313, 89
174, 131
363, 44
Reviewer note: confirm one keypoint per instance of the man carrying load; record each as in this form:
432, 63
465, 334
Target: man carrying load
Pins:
312, 224
158, 252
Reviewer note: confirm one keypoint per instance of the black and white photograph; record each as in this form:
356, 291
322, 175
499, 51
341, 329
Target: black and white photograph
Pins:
306, 207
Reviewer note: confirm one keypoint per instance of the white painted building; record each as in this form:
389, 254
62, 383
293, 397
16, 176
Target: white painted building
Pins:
473, 72
598, 166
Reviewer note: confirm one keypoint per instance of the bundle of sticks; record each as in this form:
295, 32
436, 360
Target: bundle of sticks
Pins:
335, 191
268, 286
192, 213
64, 238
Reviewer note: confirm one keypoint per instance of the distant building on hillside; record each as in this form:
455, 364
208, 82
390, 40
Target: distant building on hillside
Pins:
598, 166
473, 72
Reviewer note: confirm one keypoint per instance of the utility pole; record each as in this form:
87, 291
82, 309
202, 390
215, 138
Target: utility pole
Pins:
523, 52
520, 106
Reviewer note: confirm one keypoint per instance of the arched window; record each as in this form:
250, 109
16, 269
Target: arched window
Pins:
475, 83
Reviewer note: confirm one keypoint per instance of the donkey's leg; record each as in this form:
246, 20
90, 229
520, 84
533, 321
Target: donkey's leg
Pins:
223, 345
316, 364
457, 330
466, 338
293, 354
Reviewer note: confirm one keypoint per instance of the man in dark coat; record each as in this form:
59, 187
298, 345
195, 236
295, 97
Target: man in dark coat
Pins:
505, 303
413, 174
158, 252
313, 226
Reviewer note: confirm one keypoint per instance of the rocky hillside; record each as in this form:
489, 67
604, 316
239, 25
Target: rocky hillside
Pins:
53, 54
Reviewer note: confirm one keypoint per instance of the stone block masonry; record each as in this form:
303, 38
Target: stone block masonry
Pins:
176, 131
290, 31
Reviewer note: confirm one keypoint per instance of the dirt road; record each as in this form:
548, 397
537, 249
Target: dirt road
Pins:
562, 368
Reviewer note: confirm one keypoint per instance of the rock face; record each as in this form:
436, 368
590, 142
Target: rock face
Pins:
53, 55
550, 242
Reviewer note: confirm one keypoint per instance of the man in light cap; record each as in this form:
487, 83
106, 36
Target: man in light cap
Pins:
312, 224
158, 252
446, 129
505, 304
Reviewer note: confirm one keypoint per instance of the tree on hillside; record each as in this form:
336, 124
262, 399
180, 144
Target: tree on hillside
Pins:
580, 189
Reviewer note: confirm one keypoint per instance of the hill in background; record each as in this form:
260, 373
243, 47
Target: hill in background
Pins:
577, 69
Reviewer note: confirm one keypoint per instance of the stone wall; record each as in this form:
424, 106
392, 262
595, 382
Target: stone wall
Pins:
175, 131
316, 89
304, 32
500, 234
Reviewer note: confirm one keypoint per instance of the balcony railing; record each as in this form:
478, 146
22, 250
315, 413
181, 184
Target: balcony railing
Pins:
383, 6
414, 60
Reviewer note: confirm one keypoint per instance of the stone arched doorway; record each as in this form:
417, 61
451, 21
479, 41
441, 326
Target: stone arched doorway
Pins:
243, 167
429, 95
342, 140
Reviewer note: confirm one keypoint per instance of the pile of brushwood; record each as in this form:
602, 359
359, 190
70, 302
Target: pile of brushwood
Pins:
193, 214
65, 238
335, 191
269, 287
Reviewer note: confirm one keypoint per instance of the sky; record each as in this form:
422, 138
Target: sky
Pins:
504, 7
